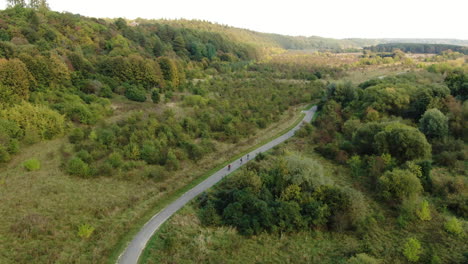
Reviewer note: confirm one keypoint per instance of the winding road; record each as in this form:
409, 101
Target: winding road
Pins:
138, 243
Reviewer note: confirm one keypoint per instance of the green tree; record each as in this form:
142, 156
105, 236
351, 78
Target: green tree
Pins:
402, 142
169, 71
412, 250
434, 124
155, 97
13, 3
424, 212
454, 226
15, 81
398, 185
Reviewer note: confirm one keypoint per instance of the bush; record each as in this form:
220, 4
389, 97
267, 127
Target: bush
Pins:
4, 155
32, 165
363, 258
135, 93
454, 226
85, 231
423, 212
155, 97
76, 135
77, 167
412, 250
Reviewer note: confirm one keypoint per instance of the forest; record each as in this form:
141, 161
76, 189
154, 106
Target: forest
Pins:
418, 48
103, 122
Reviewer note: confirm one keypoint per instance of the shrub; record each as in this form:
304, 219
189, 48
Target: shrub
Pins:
85, 231
363, 258
115, 160
454, 226
106, 92
32, 165
4, 155
423, 212
155, 96
76, 135
135, 93
412, 250
77, 167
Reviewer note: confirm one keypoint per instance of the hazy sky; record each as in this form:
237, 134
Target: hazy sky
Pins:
326, 18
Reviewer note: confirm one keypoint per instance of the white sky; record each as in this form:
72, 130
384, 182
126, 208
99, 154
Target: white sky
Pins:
325, 18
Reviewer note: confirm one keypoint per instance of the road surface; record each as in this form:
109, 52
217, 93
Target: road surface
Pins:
138, 243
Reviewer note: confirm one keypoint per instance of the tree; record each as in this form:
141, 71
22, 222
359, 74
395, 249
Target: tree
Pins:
402, 142
15, 81
434, 124
423, 212
169, 71
155, 97
13, 3
38, 4
412, 250
454, 226
398, 185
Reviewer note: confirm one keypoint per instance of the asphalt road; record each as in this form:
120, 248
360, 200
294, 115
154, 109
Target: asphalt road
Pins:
138, 243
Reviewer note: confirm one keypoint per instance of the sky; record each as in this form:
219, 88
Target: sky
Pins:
325, 18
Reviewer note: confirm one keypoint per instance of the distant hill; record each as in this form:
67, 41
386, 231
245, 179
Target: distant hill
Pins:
271, 40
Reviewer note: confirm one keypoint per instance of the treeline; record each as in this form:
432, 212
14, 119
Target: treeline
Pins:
418, 48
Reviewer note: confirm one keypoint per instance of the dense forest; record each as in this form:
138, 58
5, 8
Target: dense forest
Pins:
418, 48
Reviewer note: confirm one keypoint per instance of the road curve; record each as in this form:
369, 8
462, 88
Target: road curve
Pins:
138, 243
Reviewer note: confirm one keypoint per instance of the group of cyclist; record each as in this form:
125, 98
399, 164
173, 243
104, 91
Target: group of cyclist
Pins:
240, 161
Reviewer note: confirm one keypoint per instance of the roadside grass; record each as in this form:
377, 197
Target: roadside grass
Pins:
268, 136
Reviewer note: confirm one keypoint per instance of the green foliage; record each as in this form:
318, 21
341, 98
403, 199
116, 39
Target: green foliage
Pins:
434, 124
78, 167
412, 250
32, 165
363, 258
454, 226
135, 93
15, 81
289, 196
85, 231
457, 81
45, 121
424, 212
155, 97
398, 185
